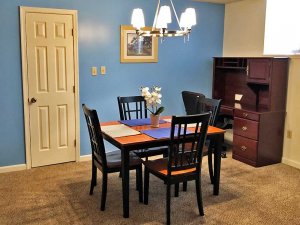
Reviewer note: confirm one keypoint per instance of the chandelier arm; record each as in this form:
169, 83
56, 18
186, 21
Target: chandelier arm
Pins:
176, 15
156, 15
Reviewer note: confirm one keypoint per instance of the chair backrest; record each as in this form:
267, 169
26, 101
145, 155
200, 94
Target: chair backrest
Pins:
192, 102
186, 145
96, 138
132, 107
213, 106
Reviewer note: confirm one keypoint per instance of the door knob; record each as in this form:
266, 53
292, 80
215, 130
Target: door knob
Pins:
33, 100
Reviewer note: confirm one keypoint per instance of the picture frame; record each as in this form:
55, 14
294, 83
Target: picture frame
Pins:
135, 49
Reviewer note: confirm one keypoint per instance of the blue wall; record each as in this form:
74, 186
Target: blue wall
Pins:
181, 66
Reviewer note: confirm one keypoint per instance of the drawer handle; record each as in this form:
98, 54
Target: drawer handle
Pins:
245, 114
244, 128
247, 70
243, 148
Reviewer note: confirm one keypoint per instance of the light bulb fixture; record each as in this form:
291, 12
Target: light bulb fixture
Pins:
161, 20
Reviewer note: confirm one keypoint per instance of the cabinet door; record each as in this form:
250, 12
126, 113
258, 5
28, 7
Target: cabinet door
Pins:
258, 71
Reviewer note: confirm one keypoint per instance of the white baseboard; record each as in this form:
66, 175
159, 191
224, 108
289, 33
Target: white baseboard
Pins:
291, 163
84, 158
6, 169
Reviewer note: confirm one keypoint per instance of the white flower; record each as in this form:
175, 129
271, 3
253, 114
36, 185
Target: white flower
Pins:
152, 97
145, 89
157, 89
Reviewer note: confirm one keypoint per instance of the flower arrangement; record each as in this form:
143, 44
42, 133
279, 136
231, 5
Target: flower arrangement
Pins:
153, 99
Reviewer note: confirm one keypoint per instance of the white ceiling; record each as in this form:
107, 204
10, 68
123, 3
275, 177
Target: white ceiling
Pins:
218, 1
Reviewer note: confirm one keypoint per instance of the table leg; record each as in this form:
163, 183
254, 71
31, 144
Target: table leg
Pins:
209, 159
217, 162
125, 182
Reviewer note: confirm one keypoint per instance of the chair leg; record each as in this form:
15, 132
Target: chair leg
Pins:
176, 190
199, 196
139, 180
184, 186
146, 186
168, 204
94, 179
210, 164
165, 154
104, 191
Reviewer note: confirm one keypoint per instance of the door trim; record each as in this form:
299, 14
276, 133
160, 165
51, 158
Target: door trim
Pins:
73, 13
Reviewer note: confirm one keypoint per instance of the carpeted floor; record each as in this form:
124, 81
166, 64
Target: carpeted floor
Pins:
59, 195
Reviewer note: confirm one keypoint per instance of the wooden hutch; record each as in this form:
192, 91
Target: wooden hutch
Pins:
254, 95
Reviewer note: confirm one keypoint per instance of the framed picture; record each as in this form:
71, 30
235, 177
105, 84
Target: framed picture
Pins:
137, 49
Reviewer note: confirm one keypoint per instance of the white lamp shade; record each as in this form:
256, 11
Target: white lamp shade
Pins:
191, 17
183, 20
165, 12
137, 19
160, 23
164, 17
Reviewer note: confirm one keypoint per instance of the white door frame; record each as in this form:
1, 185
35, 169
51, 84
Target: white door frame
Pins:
73, 13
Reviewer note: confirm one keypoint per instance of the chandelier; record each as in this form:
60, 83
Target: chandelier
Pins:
162, 19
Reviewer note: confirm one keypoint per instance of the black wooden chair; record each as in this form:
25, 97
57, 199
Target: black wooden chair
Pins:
212, 106
192, 102
107, 162
195, 104
134, 107
184, 159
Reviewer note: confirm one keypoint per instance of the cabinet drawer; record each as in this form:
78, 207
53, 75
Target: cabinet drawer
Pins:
246, 128
246, 115
245, 147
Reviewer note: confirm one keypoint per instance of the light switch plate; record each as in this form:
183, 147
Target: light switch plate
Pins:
103, 70
94, 71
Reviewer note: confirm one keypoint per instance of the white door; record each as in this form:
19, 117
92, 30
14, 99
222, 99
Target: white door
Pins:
51, 87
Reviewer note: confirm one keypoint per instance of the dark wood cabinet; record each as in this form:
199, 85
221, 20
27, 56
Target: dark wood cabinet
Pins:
254, 96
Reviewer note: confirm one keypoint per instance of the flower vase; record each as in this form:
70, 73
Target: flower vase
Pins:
154, 120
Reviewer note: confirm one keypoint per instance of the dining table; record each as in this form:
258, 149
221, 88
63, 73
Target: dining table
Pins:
138, 138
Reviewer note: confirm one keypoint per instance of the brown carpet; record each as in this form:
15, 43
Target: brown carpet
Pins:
59, 195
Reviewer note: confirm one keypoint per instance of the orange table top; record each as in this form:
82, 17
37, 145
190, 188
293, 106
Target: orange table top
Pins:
143, 138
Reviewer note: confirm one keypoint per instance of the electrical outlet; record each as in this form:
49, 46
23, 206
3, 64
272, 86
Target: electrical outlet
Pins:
94, 71
103, 70
289, 134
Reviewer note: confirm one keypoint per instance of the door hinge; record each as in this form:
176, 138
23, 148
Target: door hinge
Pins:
72, 32
73, 89
75, 143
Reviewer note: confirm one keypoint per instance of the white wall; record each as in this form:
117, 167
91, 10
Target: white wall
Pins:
244, 36
244, 26
291, 149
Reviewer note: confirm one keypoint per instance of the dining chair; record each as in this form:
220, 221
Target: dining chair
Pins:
195, 104
107, 162
134, 107
184, 159
192, 102
212, 106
